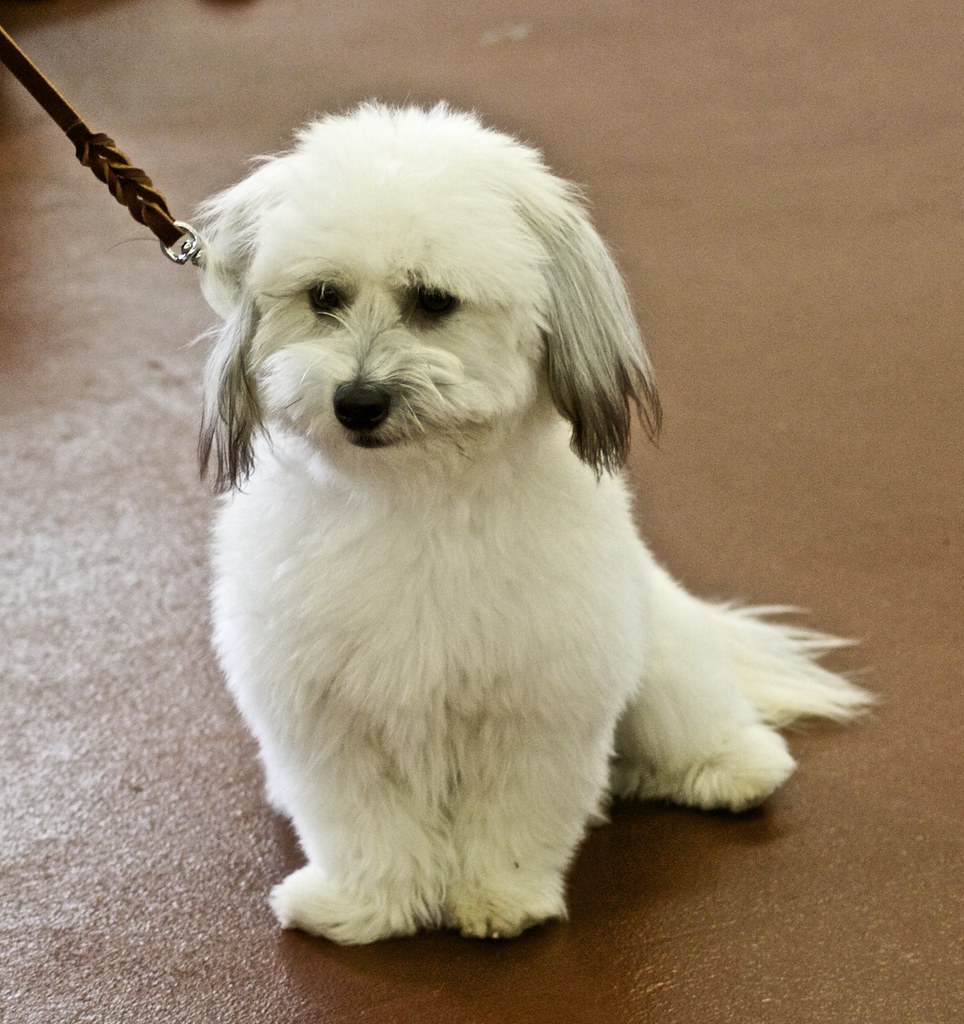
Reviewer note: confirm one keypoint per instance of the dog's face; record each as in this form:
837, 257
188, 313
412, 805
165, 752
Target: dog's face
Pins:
409, 280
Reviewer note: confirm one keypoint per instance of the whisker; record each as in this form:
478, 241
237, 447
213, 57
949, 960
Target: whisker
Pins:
410, 409
340, 320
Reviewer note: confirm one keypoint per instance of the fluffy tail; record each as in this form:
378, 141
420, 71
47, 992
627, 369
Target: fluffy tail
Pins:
776, 666
720, 680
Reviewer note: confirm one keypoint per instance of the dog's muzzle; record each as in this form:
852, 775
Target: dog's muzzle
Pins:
361, 407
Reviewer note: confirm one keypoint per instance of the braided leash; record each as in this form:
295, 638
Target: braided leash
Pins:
128, 184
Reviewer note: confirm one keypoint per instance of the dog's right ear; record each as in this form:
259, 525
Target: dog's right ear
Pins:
231, 417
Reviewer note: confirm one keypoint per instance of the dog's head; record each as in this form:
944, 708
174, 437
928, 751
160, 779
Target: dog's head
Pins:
409, 277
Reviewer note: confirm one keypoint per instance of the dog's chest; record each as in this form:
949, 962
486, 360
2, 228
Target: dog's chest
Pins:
458, 602
412, 625
451, 599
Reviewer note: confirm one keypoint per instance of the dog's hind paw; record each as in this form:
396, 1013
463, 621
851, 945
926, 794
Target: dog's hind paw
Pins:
742, 773
306, 900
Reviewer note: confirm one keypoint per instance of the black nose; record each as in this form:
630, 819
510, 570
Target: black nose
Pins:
361, 406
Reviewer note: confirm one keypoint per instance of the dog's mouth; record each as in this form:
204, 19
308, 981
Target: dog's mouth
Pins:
363, 439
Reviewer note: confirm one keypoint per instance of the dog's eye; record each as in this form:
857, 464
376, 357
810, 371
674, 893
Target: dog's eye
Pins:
434, 302
325, 298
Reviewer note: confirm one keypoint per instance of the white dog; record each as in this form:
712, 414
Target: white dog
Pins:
431, 603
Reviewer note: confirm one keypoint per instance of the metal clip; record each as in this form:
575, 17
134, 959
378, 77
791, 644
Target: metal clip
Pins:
187, 249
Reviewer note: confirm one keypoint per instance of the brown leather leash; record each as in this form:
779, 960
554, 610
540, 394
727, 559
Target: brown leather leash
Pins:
128, 184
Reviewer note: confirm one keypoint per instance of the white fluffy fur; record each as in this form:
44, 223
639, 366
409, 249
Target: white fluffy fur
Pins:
445, 632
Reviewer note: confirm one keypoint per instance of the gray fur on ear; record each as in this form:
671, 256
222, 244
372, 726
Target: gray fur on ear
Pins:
597, 364
231, 417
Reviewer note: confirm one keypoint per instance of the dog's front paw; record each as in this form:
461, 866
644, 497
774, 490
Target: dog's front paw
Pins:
740, 774
306, 900
503, 911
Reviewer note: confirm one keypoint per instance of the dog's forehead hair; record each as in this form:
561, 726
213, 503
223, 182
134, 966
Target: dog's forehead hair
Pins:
396, 242
397, 196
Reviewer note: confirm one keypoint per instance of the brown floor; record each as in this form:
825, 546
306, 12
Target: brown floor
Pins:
782, 183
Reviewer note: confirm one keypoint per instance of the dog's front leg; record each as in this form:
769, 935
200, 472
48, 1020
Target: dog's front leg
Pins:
522, 811
379, 859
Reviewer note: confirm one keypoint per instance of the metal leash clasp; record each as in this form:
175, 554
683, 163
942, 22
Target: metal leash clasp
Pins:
187, 249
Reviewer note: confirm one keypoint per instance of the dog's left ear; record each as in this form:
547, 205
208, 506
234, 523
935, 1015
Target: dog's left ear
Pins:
597, 365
